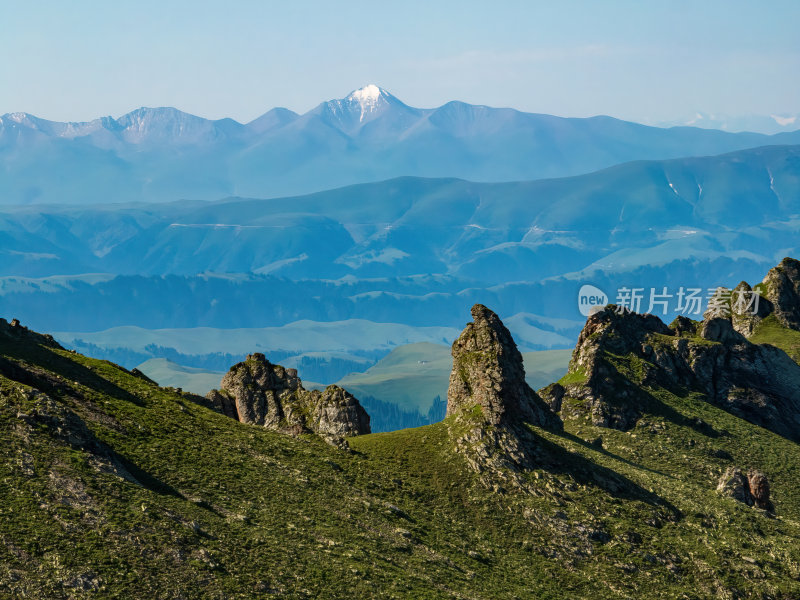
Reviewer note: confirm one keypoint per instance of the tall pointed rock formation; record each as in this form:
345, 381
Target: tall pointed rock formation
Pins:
490, 402
488, 372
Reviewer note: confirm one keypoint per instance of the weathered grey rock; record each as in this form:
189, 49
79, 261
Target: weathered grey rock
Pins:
491, 402
610, 399
488, 372
759, 489
781, 287
223, 403
743, 307
257, 389
734, 483
748, 309
553, 396
759, 383
751, 488
719, 305
258, 392
720, 329
335, 413
683, 325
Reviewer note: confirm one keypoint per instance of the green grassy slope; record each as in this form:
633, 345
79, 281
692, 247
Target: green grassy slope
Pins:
770, 331
220, 509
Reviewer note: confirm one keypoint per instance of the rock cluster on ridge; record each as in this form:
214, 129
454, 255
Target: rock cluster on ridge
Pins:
490, 399
781, 288
258, 392
620, 355
778, 294
748, 310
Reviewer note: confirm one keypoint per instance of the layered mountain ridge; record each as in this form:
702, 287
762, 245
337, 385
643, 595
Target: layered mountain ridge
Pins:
410, 252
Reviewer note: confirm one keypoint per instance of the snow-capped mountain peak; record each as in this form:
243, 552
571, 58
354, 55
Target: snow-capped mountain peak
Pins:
361, 104
367, 95
167, 123
18, 117
363, 107
368, 98
55, 128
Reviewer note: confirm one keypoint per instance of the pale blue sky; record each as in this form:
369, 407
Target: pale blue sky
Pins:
641, 60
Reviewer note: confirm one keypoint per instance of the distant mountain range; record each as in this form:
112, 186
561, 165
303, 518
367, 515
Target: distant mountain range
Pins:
631, 215
162, 154
408, 251
435, 229
768, 124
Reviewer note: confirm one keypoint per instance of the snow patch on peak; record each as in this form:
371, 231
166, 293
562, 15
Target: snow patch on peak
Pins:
18, 117
368, 93
368, 98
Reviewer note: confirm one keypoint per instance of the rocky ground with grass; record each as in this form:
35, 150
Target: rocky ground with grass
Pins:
663, 465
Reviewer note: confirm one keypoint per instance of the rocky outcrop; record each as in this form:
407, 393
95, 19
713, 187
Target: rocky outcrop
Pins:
759, 489
720, 329
553, 396
488, 372
748, 309
781, 288
335, 413
751, 488
620, 355
490, 400
745, 307
610, 398
256, 391
14, 331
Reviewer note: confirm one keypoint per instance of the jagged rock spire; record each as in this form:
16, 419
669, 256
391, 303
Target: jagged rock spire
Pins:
488, 372
490, 403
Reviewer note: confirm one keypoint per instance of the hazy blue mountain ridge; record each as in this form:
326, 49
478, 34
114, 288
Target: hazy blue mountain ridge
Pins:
163, 154
637, 214
407, 250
